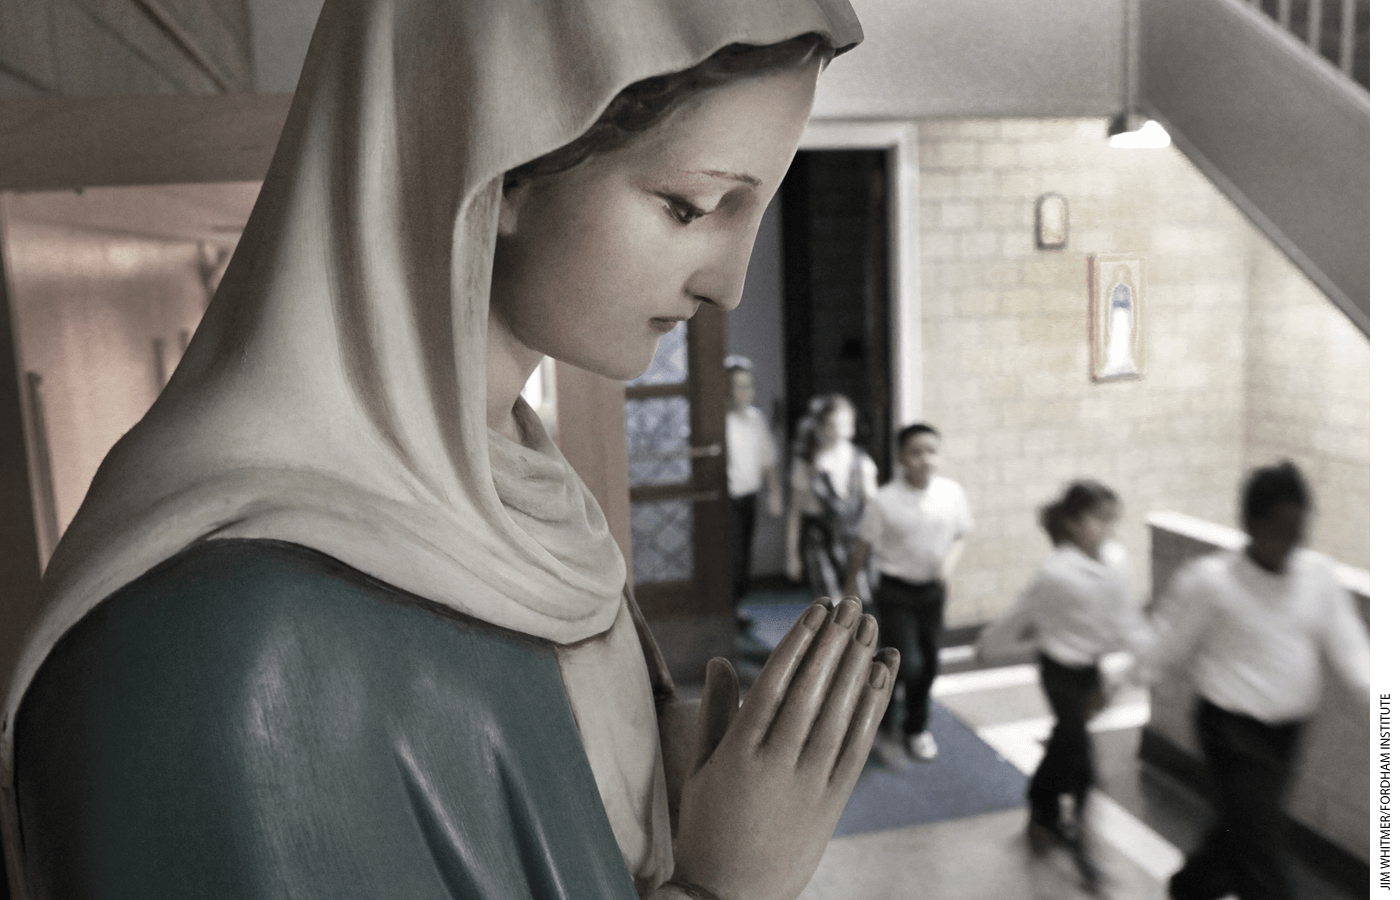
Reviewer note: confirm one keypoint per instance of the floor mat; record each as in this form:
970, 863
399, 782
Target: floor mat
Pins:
967, 778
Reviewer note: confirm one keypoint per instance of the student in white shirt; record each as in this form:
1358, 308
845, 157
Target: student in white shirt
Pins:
752, 465
1077, 608
832, 479
1252, 628
915, 528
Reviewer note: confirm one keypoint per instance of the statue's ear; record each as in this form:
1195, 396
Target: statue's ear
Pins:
511, 198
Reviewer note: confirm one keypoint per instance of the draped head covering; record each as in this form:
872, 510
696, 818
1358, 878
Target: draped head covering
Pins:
335, 393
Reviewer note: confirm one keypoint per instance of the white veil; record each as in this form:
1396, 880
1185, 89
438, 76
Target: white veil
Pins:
334, 395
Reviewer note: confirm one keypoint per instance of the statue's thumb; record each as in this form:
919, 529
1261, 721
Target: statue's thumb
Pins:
717, 708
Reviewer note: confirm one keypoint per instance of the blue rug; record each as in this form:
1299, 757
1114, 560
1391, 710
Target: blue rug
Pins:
967, 778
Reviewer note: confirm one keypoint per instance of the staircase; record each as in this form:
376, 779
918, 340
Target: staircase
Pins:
1338, 30
1269, 99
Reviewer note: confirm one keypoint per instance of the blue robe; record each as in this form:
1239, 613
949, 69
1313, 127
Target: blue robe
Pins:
253, 719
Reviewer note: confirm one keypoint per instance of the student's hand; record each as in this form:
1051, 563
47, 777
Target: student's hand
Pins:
773, 775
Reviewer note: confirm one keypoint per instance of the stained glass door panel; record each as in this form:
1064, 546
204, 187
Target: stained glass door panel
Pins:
675, 463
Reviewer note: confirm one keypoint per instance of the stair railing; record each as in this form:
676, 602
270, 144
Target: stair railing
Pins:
1331, 28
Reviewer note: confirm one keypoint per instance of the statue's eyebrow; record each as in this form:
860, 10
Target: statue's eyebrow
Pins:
750, 180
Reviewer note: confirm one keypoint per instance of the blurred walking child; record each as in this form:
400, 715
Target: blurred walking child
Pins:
752, 465
1255, 628
832, 479
1078, 607
915, 527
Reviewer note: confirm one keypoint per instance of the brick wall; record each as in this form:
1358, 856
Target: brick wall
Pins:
1307, 397
1005, 340
1245, 360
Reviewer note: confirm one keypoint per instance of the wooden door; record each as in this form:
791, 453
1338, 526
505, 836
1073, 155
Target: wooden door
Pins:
836, 307
676, 475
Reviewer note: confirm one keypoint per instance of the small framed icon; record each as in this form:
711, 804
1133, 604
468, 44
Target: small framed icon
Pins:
1116, 316
1051, 222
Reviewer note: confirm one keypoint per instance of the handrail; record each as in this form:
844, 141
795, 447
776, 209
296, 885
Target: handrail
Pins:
1329, 28
1226, 537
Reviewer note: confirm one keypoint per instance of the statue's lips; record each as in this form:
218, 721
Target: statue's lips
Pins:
667, 323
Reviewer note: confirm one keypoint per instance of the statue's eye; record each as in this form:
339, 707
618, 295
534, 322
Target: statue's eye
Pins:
682, 210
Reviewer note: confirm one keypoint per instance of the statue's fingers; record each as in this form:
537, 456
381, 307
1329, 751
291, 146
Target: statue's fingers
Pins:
807, 693
865, 722
718, 705
851, 681
766, 695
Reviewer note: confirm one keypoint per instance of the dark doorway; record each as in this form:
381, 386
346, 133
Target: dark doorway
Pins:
836, 295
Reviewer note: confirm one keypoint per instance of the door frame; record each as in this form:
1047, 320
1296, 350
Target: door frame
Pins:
900, 139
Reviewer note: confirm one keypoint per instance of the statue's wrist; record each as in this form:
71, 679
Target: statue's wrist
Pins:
682, 890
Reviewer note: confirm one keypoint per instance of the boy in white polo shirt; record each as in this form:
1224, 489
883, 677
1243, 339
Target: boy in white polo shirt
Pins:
1254, 627
916, 526
752, 465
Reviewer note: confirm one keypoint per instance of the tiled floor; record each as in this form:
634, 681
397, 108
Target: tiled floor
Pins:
1140, 821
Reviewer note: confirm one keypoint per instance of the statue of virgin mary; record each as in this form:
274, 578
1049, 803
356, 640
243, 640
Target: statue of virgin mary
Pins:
336, 618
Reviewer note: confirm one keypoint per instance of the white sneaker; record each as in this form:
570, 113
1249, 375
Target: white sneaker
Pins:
921, 746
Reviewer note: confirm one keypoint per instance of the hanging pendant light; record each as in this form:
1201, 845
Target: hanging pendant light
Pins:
1131, 129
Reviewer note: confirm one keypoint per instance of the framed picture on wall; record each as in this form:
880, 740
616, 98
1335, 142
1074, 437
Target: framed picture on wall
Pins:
1051, 222
1117, 306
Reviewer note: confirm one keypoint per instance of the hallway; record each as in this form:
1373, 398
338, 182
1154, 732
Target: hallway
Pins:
1142, 820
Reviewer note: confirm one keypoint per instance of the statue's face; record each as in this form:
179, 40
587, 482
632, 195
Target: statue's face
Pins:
595, 263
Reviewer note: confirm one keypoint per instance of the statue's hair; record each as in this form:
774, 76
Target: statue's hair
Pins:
645, 103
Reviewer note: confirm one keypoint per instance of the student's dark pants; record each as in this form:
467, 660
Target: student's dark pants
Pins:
1068, 764
743, 513
911, 619
1250, 763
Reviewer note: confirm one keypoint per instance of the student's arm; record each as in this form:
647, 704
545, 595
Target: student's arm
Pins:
870, 536
1345, 642
860, 555
951, 558
870, 474
792, 559
963, 520
1133, 631
770, 475
775, 491
1015, 629
801, 489
1176, 629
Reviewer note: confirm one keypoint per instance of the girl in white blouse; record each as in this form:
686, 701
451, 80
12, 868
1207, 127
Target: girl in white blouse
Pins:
1077, 608
831, 480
